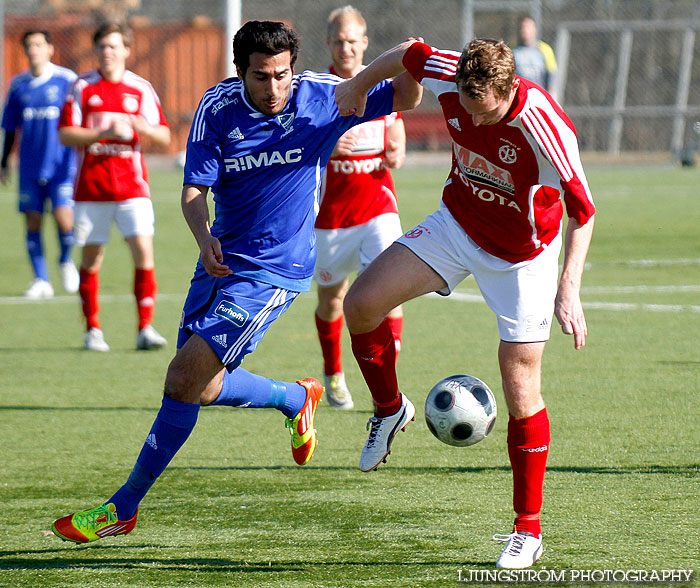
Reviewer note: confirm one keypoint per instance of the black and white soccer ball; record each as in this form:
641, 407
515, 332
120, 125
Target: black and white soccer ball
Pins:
460, 410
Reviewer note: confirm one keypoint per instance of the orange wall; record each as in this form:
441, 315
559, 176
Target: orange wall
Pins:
181, 61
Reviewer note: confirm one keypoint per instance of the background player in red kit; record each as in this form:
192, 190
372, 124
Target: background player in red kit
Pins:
108, 112
358, 217
515, 156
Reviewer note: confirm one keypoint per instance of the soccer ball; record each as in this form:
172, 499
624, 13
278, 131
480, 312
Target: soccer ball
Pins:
460, 410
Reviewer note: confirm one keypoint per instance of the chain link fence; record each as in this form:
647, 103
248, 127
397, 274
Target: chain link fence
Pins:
629, 70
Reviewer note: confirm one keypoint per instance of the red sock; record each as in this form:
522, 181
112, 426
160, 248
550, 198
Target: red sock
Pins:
375, 352
528, 446
396, 325
89, 290
329, 333
145, 291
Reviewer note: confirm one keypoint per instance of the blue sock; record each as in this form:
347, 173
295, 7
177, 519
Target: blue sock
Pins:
242, 388
36, 255
65, 242
169, 432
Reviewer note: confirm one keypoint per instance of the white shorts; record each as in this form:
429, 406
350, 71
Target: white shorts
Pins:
93, 220
341, 251
520, 294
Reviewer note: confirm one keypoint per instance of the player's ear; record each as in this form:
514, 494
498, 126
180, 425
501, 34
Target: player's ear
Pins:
238, 73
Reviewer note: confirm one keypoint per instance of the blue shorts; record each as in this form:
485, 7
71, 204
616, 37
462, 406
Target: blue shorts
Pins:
231, 314
33, 194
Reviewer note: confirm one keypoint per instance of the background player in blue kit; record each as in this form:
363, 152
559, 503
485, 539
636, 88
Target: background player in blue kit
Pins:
46, 168
260, 142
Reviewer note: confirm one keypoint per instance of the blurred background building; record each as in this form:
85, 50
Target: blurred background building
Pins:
629, 70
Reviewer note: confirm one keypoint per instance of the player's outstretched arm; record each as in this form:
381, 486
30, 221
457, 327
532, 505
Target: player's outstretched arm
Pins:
351, 95
567, 305
196, 213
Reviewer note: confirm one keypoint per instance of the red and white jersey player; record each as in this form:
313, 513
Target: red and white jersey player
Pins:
358, 186
518, 175
111, 170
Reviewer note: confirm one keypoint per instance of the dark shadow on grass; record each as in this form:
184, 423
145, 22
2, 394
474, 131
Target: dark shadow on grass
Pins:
80, 408
683, 363
56, 350
77, 558
684, 470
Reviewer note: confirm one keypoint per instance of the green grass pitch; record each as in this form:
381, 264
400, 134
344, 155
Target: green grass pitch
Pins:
622, 490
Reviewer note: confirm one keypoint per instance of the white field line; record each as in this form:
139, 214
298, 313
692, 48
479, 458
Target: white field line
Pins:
644, 263
469, 296
75, 299
640, 288
620, 306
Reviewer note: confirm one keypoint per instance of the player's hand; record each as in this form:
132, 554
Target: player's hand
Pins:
212, 258
349, 99
139, 124
394, 156
569, 313
120, 130
345, 145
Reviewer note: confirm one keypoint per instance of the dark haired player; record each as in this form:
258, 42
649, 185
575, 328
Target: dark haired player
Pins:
260, 142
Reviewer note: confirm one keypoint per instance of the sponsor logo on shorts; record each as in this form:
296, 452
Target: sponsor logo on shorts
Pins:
531, 324
416, 232
325, 276
232, 313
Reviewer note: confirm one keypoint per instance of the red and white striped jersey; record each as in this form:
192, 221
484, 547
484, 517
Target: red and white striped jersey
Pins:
508, 179
111, 170
358, 187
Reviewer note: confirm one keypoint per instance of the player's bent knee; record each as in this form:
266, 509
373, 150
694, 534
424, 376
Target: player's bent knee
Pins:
361, 313
179, 385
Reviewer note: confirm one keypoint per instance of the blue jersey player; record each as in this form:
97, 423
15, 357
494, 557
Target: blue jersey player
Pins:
46, 168
260, 143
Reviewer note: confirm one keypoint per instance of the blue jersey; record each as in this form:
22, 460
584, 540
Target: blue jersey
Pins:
34, 106
265, 172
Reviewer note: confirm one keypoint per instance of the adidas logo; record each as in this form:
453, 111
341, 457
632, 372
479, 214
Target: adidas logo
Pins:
221, 340
236, 134
151, 441
544, 324
455, 123
94, 100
